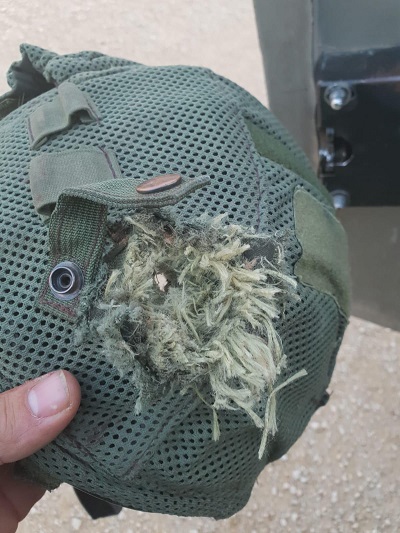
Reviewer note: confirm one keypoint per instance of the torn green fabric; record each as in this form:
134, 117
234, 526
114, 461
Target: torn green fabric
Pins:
186, 309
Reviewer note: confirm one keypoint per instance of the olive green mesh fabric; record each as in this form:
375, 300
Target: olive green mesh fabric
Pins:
156, 120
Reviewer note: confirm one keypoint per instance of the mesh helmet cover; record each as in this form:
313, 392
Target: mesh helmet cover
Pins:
157, 120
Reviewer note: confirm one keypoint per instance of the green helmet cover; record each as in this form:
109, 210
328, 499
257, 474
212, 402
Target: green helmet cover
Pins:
201, 316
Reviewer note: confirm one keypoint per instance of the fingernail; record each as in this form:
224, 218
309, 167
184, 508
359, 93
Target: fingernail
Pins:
50, 396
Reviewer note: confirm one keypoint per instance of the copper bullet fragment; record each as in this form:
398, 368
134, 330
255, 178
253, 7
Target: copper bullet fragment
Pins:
159, 183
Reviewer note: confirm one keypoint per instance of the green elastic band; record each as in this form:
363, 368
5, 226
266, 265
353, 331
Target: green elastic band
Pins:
51, 173
57, 115
122, 193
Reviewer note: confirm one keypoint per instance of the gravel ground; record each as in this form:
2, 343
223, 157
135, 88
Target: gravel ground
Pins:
343, 474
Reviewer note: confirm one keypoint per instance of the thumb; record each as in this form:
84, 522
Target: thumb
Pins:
34, 413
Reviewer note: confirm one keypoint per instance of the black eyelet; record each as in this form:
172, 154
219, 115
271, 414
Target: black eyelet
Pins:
66, 280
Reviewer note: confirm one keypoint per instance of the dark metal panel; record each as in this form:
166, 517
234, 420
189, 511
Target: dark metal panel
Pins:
358, 119
293, 35
350, 25
374, 242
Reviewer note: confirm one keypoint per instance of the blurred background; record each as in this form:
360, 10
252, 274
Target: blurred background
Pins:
219, 34
343, 474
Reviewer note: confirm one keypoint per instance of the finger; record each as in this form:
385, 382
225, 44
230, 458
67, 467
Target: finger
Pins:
33, 414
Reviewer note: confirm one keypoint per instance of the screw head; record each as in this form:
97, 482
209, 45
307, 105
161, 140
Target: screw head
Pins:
340, 198
338, 96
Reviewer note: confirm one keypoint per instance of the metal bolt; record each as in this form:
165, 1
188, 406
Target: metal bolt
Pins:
338, 96
66, 280
340, 198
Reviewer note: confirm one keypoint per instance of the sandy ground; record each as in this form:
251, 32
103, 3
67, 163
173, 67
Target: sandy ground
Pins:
343, 474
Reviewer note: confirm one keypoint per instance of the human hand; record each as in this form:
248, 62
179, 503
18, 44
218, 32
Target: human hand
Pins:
31, 416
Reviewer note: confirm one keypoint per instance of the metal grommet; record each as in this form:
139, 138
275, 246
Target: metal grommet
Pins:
66, 280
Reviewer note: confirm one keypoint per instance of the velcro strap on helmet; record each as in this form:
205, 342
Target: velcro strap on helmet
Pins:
51, 173
52, 117
324, 261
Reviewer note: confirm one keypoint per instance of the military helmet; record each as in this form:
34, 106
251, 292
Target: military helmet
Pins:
166, 241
